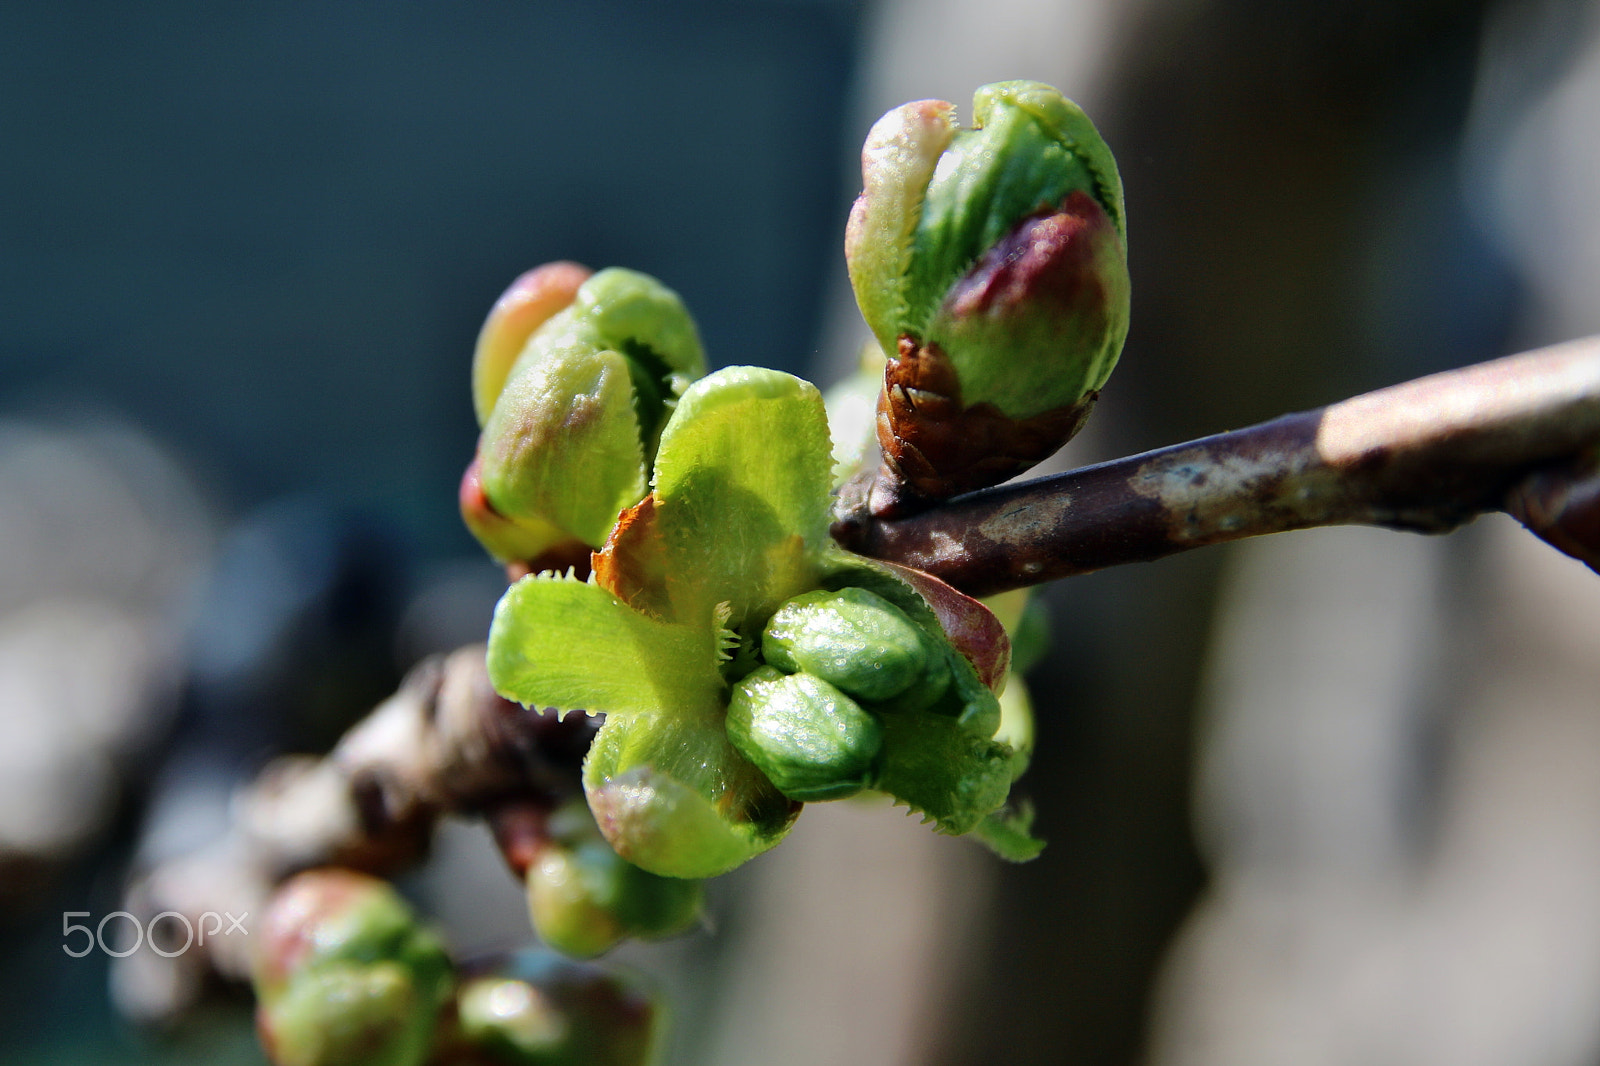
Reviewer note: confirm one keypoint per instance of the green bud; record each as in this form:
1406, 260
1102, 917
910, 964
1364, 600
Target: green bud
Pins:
853, 639
636, 316
930, 689
575, 419
536, 1009
810, 739
345, 974
585, 899
512, 1021
348, 1015
990, 265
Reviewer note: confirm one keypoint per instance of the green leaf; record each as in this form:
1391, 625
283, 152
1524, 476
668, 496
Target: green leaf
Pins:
560, 643
741, 486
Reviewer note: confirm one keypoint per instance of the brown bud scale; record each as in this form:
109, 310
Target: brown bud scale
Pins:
934, 446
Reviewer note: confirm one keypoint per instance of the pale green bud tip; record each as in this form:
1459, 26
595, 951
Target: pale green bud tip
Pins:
897, 163
526, 305
562, 445
813, 741
627, 309
854, 639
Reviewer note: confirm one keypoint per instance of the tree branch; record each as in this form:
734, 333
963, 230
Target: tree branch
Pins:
1520, 434
1516, 434
445, 742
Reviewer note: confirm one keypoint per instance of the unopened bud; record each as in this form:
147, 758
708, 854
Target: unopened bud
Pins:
853, 639
345, 976
813, 741
347, 1015
990, 264
536, 1009
585, 899
526, 305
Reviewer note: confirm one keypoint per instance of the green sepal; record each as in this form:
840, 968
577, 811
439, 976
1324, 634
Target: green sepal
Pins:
563, 644
1008, 833
942, 771
669, 792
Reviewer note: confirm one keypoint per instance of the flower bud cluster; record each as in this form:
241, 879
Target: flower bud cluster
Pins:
835, 662
346, 976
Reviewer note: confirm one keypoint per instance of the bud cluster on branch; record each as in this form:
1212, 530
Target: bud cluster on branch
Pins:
752, 630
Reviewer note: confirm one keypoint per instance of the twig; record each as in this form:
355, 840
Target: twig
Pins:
443, 743
1426, 455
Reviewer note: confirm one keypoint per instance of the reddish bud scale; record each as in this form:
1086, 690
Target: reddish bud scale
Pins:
1047, 265
935, 446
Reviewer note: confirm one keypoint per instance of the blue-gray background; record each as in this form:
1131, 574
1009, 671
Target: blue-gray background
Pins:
270, 232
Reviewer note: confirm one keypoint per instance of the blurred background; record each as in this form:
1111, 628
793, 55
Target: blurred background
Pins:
1328, 798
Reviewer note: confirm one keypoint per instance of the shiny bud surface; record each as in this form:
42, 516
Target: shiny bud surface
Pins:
813, 741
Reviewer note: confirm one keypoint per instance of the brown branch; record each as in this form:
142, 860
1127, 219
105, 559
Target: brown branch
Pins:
1426, 455
445, 742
